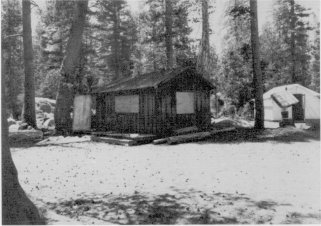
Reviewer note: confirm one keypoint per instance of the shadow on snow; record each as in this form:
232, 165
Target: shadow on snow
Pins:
282, 135
179, 207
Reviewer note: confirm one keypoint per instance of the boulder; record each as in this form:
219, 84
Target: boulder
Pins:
13, 127
23, 126
11, 121
49, 123
45, 107
26, 135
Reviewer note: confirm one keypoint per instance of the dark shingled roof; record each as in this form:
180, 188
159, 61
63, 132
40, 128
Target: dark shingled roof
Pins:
150, 80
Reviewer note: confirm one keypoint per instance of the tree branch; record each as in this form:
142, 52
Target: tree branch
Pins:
11, 36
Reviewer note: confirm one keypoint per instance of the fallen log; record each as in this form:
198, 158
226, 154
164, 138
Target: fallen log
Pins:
195, 136
188, 137
160, 141
191, 129
213, 132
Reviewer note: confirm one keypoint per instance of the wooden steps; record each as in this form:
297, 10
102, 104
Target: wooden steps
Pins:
126, 139
110, 140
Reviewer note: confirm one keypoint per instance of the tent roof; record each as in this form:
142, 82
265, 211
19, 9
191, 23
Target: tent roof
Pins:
288, 88
284, 99
150, 80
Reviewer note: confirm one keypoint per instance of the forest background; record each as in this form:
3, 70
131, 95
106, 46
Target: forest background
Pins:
127, 39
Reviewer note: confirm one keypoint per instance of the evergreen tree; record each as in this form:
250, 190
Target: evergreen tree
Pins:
16, 206
52, 36
292, 29
274, 58
257, 74
315, 64
70, 70
236, 60
11, 30
169, 34
203, 63
29, 108
152, 22
117, 35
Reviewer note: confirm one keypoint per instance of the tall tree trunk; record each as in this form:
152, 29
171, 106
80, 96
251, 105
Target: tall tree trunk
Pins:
10, 74
29, 111
16, 207
70, 70
205, 43
169, 34
116, 40
154, 45
257, 74
292, 41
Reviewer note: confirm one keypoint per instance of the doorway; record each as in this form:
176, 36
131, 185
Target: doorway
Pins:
298, 109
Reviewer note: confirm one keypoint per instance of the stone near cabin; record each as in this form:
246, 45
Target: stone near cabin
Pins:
27, 135
49, 123
11, 121
45, 107
13, 127
38, 111
23, 126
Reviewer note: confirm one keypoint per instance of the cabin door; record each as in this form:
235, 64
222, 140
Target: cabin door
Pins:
298, 109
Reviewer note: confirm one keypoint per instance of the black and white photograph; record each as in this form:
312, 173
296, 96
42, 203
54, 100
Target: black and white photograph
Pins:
167, 112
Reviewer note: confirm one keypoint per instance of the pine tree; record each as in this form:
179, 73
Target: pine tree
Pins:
204, 57
12, 46
29, 110
315, 64
257, 74
50, 45
169, 34
236, 60
16, 206
70, 70
116, 31
292, 28
152, 25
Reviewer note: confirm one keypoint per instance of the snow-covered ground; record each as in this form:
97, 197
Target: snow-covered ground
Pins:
238, 182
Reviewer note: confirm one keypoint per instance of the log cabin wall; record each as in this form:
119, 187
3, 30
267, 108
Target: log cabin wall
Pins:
110, 120
156, 112
168, 119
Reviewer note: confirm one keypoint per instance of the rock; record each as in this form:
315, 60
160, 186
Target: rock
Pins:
23, 126
45, 107
11, 121
14, 127
49, 123
38, 112
48, 116
29, 128
26, 135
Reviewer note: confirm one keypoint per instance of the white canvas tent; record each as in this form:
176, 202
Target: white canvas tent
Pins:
304, 107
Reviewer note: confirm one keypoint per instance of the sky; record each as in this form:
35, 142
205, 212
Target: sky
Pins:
216, 21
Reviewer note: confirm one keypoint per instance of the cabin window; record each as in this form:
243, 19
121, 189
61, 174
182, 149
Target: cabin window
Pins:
127, 104
184, 102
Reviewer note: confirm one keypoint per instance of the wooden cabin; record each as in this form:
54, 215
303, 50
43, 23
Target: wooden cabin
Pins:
154, 103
